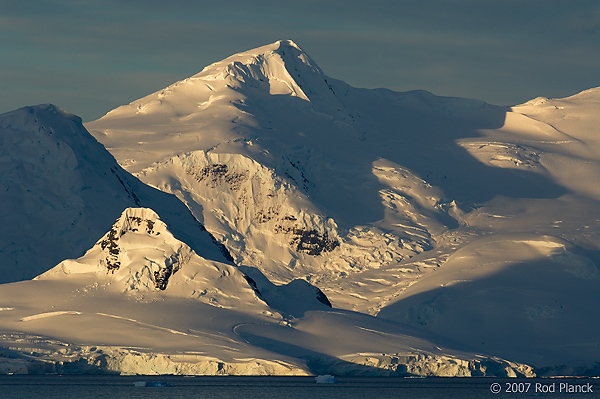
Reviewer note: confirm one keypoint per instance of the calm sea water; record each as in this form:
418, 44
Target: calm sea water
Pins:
117, 387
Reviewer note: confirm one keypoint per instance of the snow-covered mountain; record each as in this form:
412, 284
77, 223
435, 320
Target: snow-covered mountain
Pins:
141, 301
61, 190
367, 192
451, 237
298, 174
139, 255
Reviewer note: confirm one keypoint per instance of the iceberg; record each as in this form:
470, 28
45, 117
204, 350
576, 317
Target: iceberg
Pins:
154, 384
325, 379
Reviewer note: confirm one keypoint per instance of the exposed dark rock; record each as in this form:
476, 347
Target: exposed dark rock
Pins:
215, 174
321, 297
111, 243
253, 285
310, 241
150, 227
305, 182
263, 216
161, 277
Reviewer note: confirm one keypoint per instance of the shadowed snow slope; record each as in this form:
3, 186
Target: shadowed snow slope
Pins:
62, 190
141, 301
299, 174
519, 297
372, 195
468, 225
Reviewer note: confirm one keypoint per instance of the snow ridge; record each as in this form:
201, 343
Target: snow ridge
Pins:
140, 255
359, 220
61, 184
282, 66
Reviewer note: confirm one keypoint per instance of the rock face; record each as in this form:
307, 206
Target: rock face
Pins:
112, 360
130, 362
425, 366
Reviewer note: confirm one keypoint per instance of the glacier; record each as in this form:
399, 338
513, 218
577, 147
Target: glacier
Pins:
271, 219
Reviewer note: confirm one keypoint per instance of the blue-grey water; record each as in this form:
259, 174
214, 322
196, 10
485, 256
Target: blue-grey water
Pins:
116, 387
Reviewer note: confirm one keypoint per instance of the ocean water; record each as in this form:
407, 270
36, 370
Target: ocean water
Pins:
116, 387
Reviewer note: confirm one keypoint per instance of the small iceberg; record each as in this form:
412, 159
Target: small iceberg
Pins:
325, 379
153, 384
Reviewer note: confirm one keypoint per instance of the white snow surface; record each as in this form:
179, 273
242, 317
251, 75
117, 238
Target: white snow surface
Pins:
282, 163
451, 237
142, 302
139, 255
61, 190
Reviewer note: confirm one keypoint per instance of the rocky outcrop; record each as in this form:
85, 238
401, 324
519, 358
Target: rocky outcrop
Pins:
132, 222
216, 174
309, 241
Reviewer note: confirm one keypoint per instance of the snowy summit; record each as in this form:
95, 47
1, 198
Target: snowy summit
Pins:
271, 219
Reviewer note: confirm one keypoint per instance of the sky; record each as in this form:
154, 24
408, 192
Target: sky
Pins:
91, 56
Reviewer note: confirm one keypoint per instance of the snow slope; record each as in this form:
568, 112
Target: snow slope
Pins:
272, 154
447, 234
62, 190
519, 296
295, 172
142, 302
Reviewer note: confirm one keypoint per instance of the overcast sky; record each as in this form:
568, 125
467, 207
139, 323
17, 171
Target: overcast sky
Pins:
90, 56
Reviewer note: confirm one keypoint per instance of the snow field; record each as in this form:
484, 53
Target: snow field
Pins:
450, 236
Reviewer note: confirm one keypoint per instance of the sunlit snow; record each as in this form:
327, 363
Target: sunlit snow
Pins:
289, 223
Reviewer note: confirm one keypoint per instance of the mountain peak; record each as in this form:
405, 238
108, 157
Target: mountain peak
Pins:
136, 229
38, 115
58, 183
49, 108
279, 45
287, 43
285, 51
134, 219
281, 68
140, 255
